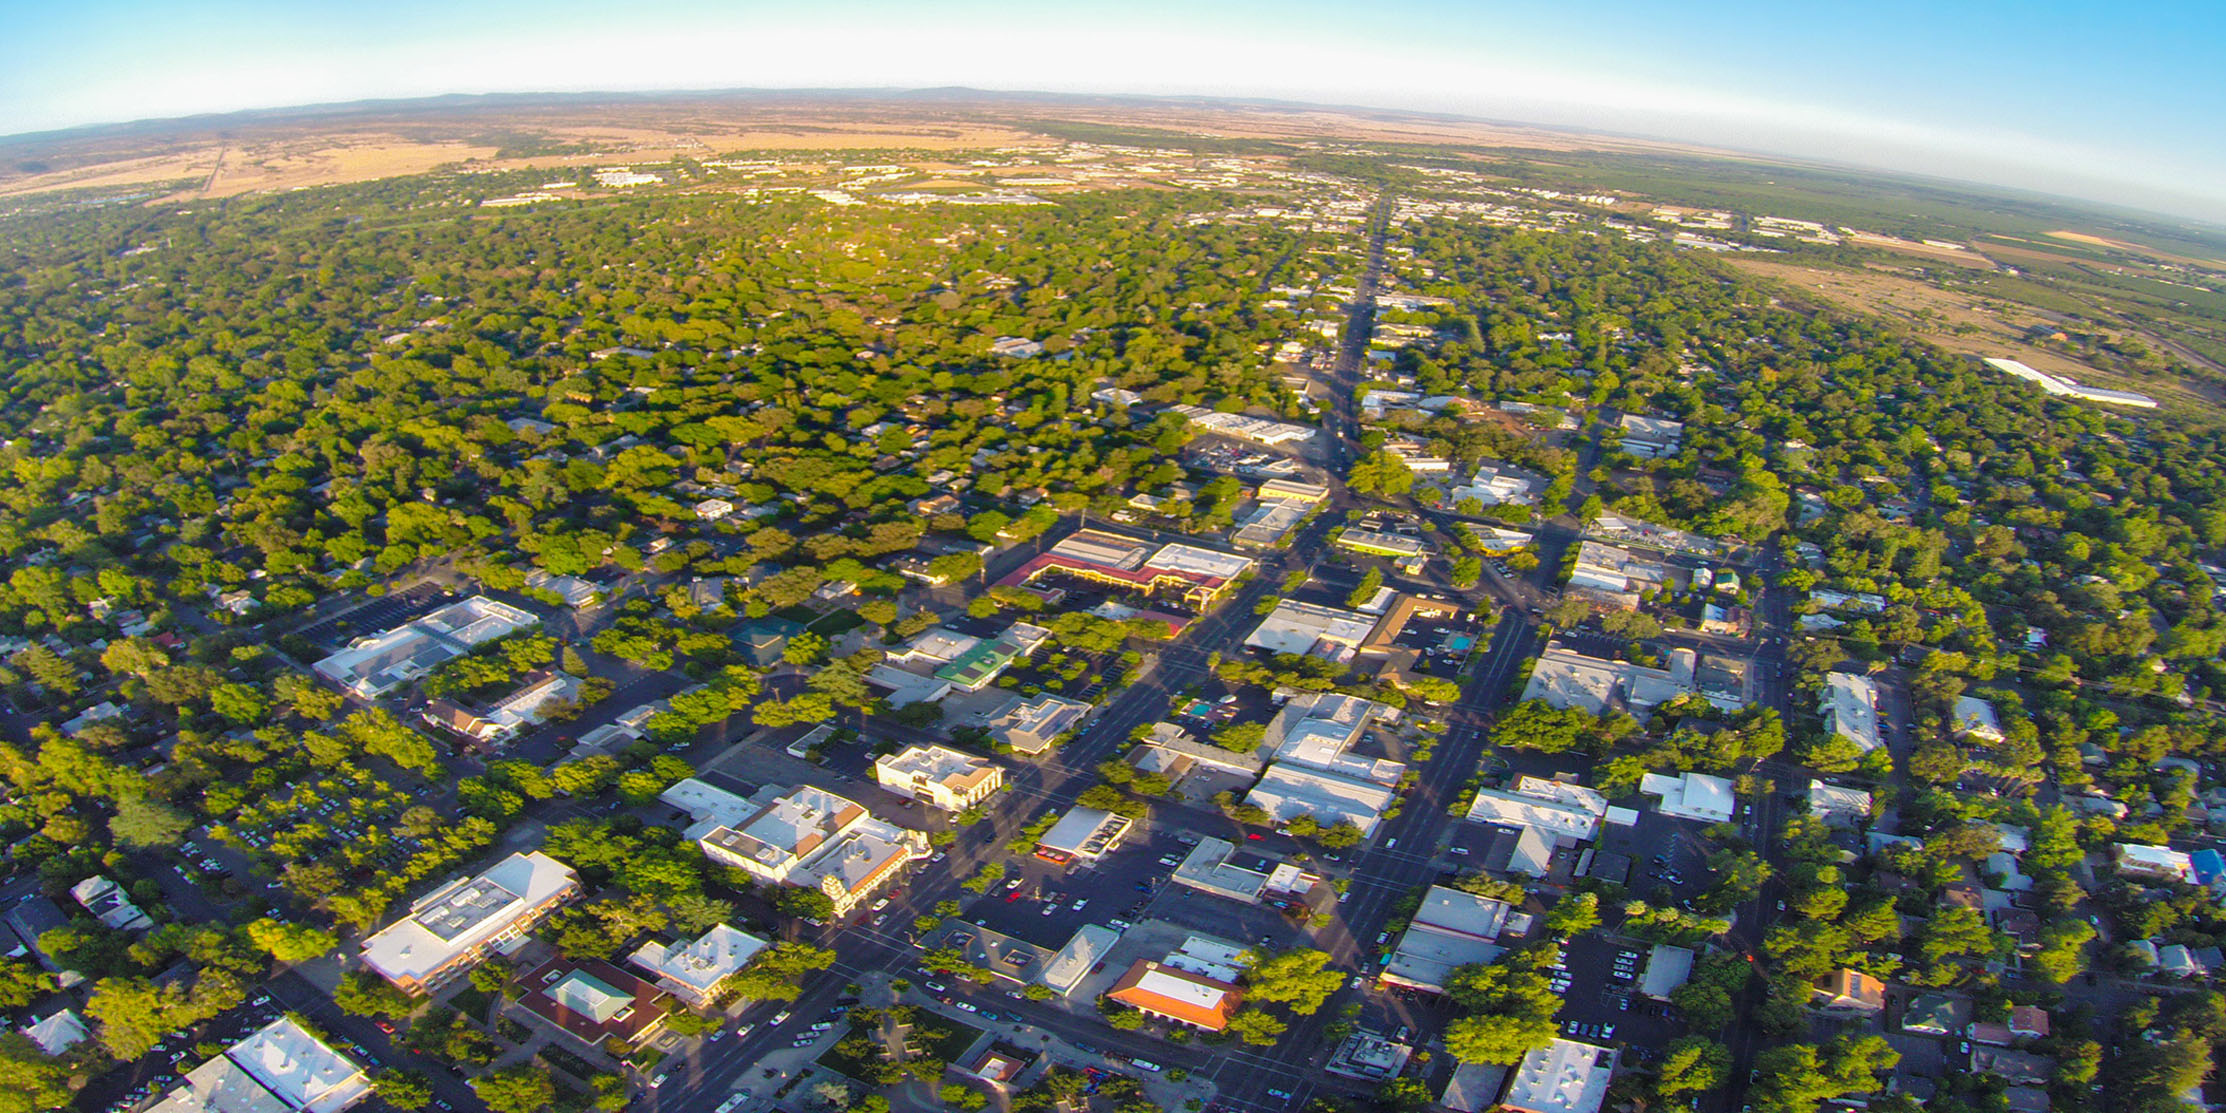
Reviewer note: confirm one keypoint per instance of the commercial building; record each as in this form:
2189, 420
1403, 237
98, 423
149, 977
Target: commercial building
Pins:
1562, 1077
1162, 991
510, 716
593, 1001
1850, 709
1560, 822
1496, 483
280, 1068
1839, 805
1650, 438
1667, 968
1030, 724
1267, 523
1197, 576
938, 776
1451, 929
1694, 796
1564, 677
373, 666
805, 837
1217, 866
451, 929
1254, 429
1616, 576
1379, 543
694, 972
1083, 835
1313, 630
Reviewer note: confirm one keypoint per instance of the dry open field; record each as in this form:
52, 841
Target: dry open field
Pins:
1934, 315
226, 156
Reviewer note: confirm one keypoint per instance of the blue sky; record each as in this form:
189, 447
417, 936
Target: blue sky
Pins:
2114, 101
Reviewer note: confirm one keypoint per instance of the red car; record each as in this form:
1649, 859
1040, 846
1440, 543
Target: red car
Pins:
1254, 835
1012, 896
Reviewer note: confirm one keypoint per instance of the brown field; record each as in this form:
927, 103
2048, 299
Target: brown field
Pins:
1962, 258
1933, 315
251, 153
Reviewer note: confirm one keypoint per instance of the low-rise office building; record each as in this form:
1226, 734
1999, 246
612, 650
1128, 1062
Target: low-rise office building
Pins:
1562, 1077
938, 776
1083, 835
694, 971
449, 930
281, 1068
807, 837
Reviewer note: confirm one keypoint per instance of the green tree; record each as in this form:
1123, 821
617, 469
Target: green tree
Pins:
1496, 1037
30, 1079
145, 821
1300, 979
522, 1088
288, 942
1256, 1027
404, 1089
1692, 1064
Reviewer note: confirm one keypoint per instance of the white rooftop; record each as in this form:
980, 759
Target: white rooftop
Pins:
464, 914
300, 1069
1561, 1077
700, 965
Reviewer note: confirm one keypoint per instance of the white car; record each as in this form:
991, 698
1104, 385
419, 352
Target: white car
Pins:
780, 1018
657, 1081
881, 904
1013, 884
966, 1006
729, 1105
1079, 903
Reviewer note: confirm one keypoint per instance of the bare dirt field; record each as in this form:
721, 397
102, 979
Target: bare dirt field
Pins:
242, 154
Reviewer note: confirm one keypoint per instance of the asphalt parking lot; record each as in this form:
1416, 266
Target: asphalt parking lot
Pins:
377, 616
1601, 1002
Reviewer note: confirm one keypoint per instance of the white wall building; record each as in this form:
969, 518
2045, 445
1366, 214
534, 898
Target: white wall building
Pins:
938, 776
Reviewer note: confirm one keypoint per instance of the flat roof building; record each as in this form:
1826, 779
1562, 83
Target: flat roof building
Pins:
1031, 724
1561, 823
280, 1068
811, 838
2160, 862
451, 929
1839, 805
1311, 629
1566, 678
1083, 835
1850, 709
938, 776
373, 666
1378, 543
1195, 575
1451, 929
1695, 796
694, 971
1289, 790
1562, 1077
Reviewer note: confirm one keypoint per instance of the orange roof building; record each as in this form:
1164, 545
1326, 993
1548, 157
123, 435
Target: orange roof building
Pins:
1171, 994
